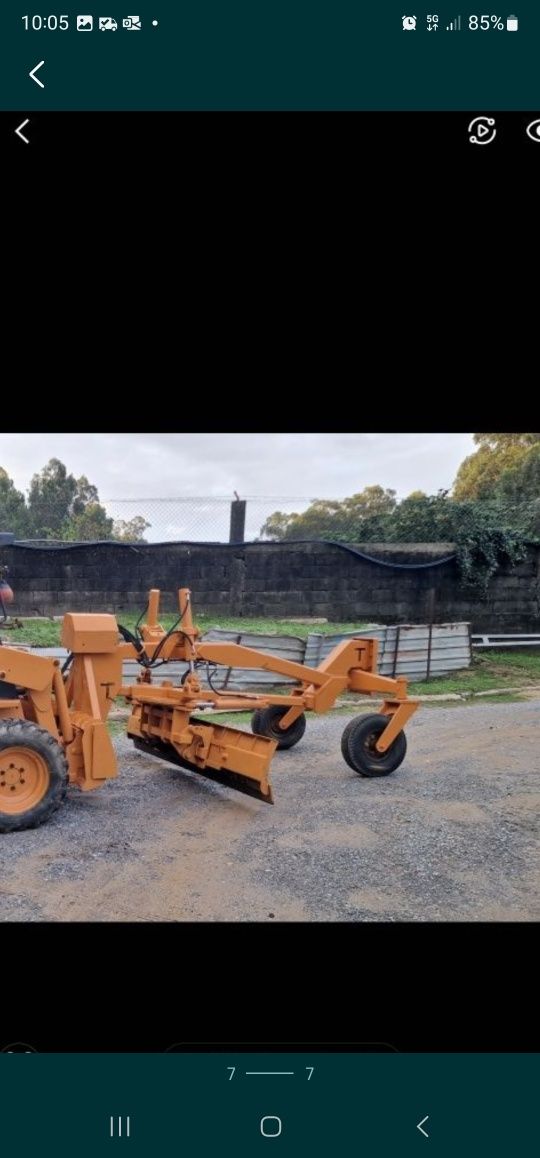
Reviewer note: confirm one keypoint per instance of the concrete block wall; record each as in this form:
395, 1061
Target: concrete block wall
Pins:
277, 579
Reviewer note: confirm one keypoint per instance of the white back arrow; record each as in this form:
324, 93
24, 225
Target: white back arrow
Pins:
33, 72
20, 134
420, 1124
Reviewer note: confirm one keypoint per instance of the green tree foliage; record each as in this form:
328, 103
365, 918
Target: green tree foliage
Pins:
493, 510
502, 440
130, 530
364, 515
496, 454
13, 512
276, 526
61, 506
485, 536
485, 533
518, 490
92, 522
422, 518
55, 498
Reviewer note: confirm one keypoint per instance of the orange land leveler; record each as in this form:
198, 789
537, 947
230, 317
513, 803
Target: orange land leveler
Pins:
53, 728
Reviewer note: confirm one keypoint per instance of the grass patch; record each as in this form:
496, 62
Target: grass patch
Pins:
526, 661
35, 632
488, 671
46, 632
116, 727
277, 626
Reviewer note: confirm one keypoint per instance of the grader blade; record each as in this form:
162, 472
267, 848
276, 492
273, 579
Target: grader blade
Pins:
236, 759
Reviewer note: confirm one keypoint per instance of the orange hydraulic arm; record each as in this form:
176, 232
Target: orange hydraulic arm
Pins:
72, 705
350, 666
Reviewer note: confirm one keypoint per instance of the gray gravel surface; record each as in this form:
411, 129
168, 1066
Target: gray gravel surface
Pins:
451, 835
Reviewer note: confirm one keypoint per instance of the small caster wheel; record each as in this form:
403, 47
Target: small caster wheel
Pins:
358, 747
265, 722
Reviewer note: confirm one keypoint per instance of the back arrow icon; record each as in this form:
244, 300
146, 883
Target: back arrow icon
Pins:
20, 134
420, 1124
33, 72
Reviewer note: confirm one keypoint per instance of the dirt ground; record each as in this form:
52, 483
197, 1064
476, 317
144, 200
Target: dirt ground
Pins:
452, 835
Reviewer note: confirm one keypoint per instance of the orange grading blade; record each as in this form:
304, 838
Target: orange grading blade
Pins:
236, 759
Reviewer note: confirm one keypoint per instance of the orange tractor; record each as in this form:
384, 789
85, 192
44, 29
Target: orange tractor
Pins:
53, 729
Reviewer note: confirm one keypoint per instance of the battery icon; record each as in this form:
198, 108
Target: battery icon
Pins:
512, 24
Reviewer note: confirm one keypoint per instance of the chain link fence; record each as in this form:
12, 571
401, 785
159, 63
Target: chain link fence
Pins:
203, 519
374, 515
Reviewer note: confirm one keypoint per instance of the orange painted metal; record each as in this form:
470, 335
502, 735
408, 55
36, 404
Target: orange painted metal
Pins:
74, 707
350, 666
399, 713
24, 779
89, 633
228, 755
11, 710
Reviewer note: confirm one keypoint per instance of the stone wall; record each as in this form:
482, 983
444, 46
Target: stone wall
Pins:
277, 579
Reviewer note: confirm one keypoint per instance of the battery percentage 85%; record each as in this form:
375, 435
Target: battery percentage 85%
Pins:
484, 23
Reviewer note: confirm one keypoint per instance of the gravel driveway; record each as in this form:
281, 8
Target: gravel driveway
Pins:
452, 835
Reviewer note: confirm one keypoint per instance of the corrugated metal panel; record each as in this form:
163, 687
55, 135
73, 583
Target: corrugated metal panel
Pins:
282, 646
319, 645
450, 650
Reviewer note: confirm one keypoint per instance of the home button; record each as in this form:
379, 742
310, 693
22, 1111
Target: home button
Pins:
270, 1126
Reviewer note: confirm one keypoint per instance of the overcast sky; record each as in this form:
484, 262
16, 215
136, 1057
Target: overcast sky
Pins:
171, 465
148, 466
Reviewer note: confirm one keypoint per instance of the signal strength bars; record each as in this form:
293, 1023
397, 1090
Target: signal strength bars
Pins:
455, 25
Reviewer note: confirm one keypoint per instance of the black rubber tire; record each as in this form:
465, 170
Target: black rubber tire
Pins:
24, 734
358, 747
264, 722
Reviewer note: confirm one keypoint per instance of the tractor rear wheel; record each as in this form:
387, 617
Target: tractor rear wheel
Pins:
358, 746
265, 722
33, 775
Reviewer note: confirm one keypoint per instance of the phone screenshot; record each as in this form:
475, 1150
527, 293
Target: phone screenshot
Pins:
269, 793
269, 1103
452, 78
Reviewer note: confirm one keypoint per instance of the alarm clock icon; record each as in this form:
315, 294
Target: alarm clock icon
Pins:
409, 23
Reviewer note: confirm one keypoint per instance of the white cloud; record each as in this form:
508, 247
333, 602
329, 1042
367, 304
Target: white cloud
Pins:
182, 465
